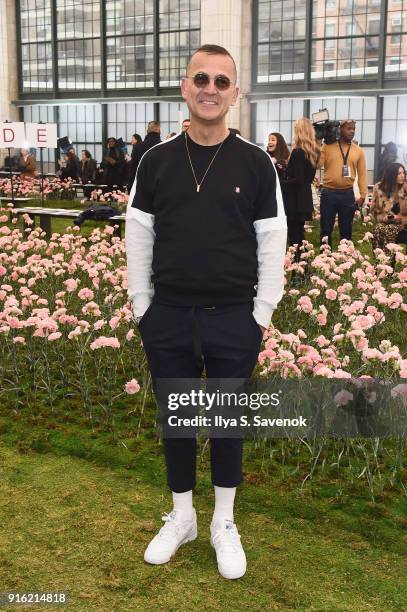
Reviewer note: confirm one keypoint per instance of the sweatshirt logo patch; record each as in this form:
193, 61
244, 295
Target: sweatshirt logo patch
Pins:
237, 189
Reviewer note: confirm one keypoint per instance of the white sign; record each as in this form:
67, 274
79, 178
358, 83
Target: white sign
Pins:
12, 135
26, 135
41, 135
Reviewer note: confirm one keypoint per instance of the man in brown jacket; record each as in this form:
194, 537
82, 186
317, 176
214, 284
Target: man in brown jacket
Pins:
342, 161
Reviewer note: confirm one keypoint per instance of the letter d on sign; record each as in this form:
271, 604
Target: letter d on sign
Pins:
12, 135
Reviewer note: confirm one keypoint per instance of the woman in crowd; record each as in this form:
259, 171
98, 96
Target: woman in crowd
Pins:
279, 153
27, 164
88, 167
300, 173
114, 165
387, 157
71, 168
88, 171
389, 207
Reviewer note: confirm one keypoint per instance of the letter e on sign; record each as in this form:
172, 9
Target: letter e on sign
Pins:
42, 135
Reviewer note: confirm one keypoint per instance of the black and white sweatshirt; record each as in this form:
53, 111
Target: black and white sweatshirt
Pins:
222, 245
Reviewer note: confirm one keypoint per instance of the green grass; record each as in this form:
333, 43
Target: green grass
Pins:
80, 499
80, 504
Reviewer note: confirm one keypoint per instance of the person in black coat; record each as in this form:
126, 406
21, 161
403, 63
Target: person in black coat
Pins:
88, 171
152, 138
296, 186
114, 165
136, 139
71, 169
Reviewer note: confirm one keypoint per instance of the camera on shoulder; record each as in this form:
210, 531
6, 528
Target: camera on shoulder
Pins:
325, 130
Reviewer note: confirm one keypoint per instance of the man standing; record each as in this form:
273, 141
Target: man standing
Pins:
152, 138
205, 240
341, 161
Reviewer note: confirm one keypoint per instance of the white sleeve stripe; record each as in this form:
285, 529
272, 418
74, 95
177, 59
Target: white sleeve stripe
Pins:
142, 217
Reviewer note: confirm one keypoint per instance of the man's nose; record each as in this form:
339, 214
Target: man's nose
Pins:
210, 88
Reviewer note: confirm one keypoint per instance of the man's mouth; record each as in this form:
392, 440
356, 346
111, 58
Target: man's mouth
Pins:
209, 102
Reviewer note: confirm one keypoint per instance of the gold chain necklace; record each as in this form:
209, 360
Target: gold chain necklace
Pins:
198, 185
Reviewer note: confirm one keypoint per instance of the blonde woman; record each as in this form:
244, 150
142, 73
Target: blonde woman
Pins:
296, 186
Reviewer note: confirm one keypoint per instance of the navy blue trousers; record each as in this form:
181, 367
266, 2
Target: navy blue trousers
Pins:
179, 342
339, 202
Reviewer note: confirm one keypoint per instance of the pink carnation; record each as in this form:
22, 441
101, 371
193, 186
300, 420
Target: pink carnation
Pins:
103, 341
132, 386
330, 294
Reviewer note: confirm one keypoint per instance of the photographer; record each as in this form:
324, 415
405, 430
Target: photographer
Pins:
342, 161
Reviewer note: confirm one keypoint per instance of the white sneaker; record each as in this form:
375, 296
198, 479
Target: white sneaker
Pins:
177, 531
230, 555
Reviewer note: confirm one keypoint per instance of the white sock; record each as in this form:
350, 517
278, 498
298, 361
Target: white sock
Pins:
183, 502
224, 499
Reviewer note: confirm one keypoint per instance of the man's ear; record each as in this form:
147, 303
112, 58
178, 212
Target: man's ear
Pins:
235, 96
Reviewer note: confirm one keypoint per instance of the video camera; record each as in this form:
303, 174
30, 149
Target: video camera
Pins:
325, 130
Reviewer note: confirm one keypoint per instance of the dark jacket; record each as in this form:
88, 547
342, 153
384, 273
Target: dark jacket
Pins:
114, 166
137, 153
280, 166
71, 170
296, 187
88, 171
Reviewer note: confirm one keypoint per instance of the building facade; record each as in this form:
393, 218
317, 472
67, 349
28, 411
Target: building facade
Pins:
101, 68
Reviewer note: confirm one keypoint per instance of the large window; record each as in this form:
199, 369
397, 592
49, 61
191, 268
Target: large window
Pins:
36, 56
123, 120
281, 40
78, 46
277, 116
72, 48
129, 44
179, 37
396, 39
345, 39
82, 123
395, 123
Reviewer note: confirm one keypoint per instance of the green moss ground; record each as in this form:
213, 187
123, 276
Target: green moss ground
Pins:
79, 502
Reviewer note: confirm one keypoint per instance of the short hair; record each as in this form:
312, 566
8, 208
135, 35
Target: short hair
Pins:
186, 119
87, 153
137, 137
213, 50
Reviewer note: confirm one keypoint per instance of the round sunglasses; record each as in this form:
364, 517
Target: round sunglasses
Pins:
201, 80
